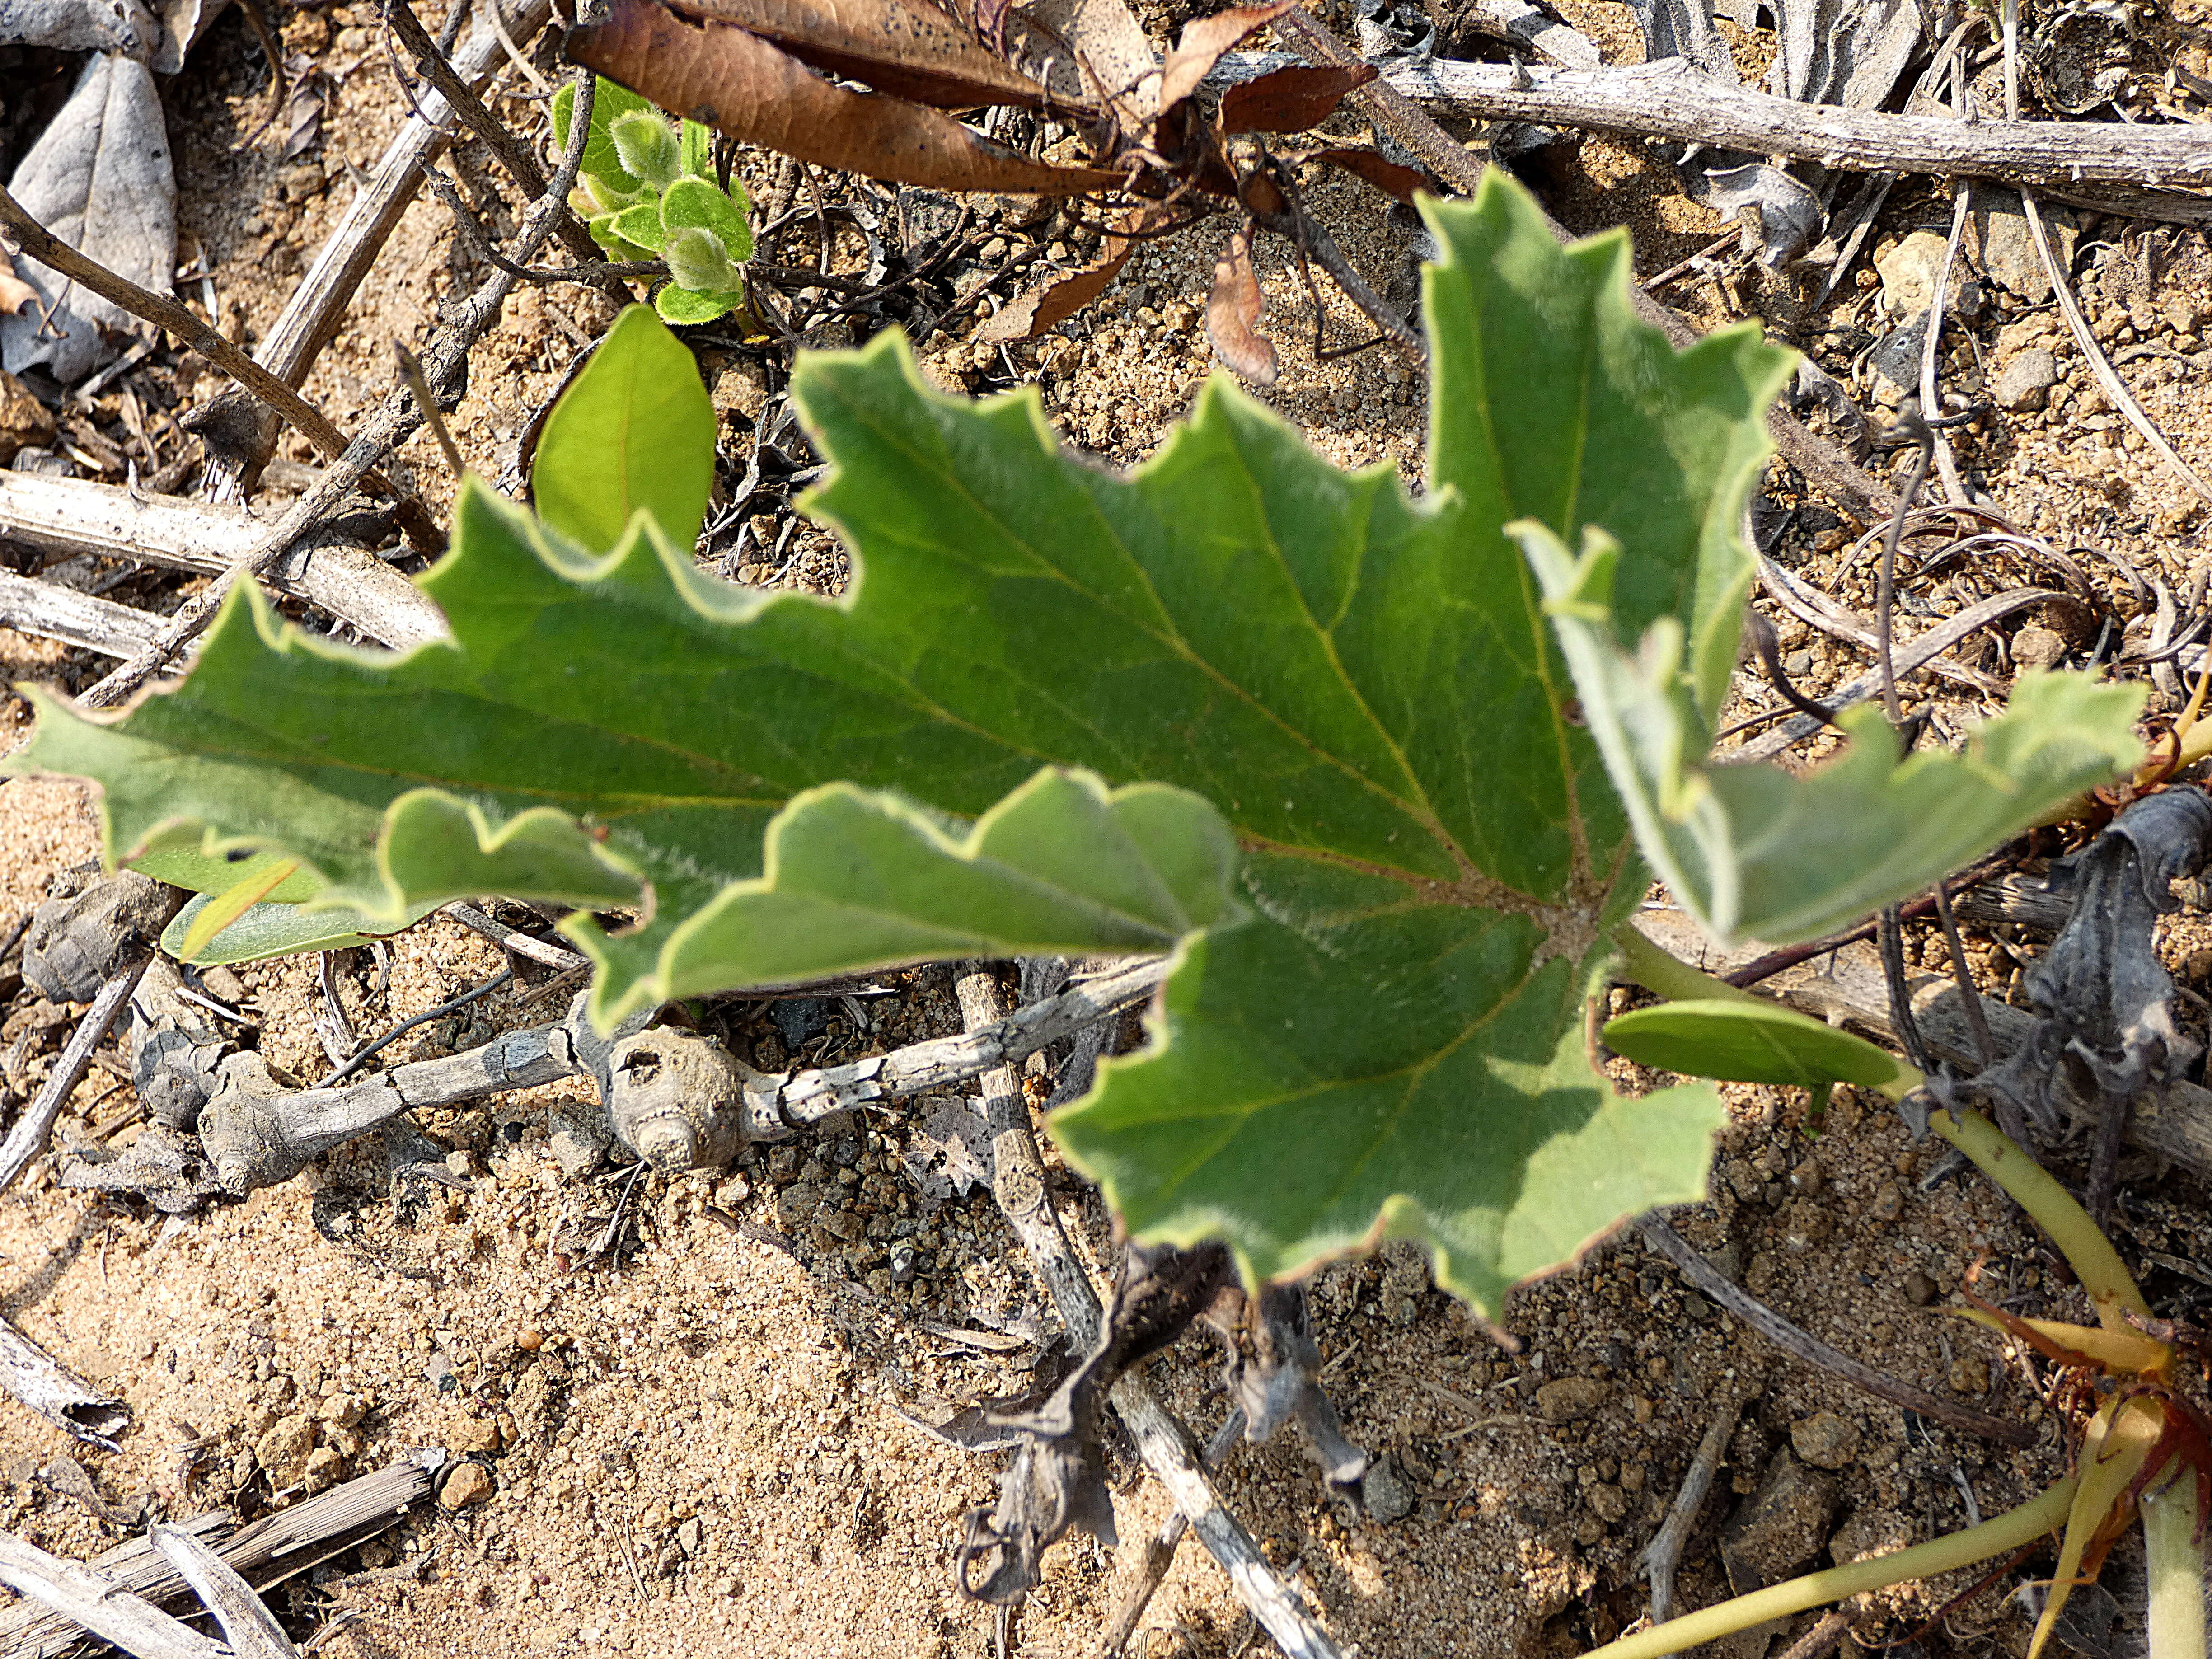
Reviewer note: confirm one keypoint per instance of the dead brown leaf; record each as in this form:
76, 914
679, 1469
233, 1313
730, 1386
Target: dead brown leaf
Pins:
1050, 304
754, 91
1232, 310
1388, 177
1091, 49
1203, 40
910, 50
1291, 99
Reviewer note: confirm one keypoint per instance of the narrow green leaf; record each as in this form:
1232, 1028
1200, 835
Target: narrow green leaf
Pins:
224, 908
1747, 1043
182, 864
635, 433
697, 158
276, 930
696, 203
1757, 852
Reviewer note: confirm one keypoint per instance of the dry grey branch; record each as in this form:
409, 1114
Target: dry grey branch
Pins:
1663, 1554
2108, 378
28, 1138
54, 612
76, 516
394, 422
136, 1626
257, 1133
312, 316
265, 1553
1669, 98
65, 1400
1399, 116
1924, 650
254, 1631
1164, 1443
181, 320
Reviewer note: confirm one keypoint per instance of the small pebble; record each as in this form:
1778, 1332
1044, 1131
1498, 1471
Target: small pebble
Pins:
468, 1484
1825, 1440
1919, 1289
1570, 1399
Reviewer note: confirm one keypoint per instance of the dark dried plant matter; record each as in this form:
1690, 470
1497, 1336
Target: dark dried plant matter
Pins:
764, 72
1056, 1480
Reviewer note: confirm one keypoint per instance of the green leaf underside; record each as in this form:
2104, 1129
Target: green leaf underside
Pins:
635, 435
1363, 684
1757, 852
277, 930
1744, 1042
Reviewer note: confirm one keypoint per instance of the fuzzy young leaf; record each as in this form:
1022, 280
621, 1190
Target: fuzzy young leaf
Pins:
609, 101
696, 157
697, 260
647, 150
698, 204
1364, 686
1757, 852
634, 433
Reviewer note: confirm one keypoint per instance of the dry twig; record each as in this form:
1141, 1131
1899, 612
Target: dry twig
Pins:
73, 516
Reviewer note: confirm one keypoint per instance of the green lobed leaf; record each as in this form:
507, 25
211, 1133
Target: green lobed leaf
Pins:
1751, 1043
1753, 851
1364, 686
633, 433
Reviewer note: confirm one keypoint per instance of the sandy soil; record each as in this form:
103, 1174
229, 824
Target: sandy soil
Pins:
705, 1445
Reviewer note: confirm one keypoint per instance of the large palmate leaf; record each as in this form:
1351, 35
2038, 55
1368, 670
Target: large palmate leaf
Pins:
1376, 1022
1755, 851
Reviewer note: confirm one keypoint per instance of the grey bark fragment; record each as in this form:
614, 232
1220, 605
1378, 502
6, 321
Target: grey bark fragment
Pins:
75, 945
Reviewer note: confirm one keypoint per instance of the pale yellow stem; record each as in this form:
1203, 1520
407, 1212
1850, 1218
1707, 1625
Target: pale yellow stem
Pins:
2009, 1531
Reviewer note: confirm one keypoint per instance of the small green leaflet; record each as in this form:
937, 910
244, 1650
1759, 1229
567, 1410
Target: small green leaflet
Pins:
635, 435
